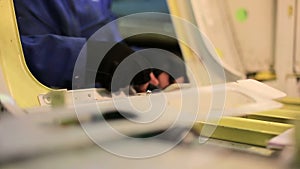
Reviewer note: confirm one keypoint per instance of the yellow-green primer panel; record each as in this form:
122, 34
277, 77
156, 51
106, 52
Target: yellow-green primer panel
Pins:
23, 87
277, 115
248, 131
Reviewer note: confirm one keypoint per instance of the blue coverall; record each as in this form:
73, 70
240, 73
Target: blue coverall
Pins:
54, 31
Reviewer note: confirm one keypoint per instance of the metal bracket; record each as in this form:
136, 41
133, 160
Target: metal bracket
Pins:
68, 97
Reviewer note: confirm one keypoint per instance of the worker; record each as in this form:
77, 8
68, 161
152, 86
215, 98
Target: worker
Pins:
53, 33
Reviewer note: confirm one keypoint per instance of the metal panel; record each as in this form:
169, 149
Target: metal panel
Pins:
213, 20
242, 31
185, 11
253, 24
284, 49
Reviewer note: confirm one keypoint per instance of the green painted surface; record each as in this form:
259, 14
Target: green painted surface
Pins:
241, 15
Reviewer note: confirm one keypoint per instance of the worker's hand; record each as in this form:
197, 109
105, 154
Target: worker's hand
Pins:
155, 82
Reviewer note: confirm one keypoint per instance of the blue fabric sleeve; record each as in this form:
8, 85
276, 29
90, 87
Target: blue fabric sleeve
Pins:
54, 31
52, 57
